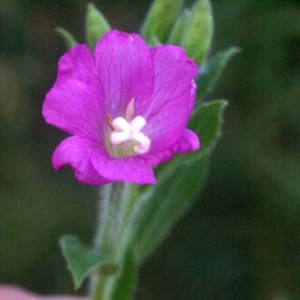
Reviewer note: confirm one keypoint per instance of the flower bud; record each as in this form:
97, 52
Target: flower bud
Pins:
178, 28
197, 36
160, 18
96, 25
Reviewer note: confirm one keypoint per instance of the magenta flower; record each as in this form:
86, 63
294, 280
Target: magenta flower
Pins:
126, 108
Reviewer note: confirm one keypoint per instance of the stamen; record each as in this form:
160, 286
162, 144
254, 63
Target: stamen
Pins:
130, 110
109, 122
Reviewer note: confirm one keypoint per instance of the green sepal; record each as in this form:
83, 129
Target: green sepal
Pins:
160, 18
178, 183
68, 37
96, 25
82, 260
210, 72
197, 37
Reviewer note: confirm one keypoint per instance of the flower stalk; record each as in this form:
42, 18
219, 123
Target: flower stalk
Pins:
112, 237
111, 206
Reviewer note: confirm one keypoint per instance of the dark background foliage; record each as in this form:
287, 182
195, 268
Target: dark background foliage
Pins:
241, 240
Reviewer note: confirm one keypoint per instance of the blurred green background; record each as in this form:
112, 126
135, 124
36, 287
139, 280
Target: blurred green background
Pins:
241, 240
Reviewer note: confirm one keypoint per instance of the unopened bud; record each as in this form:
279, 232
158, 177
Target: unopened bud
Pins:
160, 18
197, 36
178, 28
96, 25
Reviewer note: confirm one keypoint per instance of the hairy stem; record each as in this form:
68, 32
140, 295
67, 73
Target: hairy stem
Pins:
113, 209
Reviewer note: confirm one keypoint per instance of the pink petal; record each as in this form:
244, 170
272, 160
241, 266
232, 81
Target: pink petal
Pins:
133, 169
8, 292
159, 157
78, 63
77, 152
173, 98
188, 141
77, 108
125, 70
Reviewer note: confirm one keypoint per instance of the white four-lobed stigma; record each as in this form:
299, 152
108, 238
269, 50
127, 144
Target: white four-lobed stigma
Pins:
125, 131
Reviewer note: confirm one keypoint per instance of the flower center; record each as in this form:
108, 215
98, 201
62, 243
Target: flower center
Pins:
126, 137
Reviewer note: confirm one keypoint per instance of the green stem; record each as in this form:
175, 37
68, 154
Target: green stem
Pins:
113, 209
110, 216
102, 287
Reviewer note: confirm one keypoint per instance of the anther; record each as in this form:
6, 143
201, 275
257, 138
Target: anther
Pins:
130, 110
109, 122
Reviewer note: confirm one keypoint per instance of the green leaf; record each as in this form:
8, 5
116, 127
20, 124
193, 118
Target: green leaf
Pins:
82, 260
160, 18
206, 122
166, 203
210, 72
177, 184
127, 282
96, 25
68, 37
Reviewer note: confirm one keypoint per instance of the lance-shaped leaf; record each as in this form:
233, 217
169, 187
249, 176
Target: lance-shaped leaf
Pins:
210, 72
206, 121
177, 184
82, 260
68, 37
164, 205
